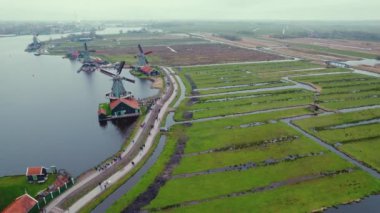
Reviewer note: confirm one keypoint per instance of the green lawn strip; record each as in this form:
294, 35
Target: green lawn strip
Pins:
218, 75
251, 108
303, 197
149, 177
365, 151
349, 134
333, 78
252, 94
243, 88
12, 187
95, 202
352, 89
329, 50
212, 138
211, 185
270, 66
344, 96
300, 73
336, 119
302, 94
213, 160
350, 83
346, 104
235, 122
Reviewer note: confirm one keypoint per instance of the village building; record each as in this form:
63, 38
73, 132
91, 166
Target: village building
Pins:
36, 174
22, 204
124, 106
149, 71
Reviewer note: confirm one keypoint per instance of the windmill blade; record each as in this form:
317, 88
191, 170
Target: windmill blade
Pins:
107, 73
146, 60
120, 68
149, 52
128, 79
140, 49
85, 46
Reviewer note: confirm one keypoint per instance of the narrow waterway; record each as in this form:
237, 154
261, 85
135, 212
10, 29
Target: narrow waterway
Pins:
367, 205
133, 180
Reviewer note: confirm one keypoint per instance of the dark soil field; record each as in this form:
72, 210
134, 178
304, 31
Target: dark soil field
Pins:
177, 55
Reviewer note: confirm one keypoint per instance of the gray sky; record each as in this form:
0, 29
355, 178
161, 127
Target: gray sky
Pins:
190, 9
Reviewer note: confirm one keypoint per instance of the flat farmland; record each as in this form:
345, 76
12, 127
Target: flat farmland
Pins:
345, 90
236, 151
181, 54
341, 44
354, 133
234, 160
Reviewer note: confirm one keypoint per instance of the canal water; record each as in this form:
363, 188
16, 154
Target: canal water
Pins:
49, 112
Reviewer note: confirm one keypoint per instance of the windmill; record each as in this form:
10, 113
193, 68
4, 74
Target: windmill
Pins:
85, 54
35, 45
143, 63
89, 65
141, 56
118, 90
122, 103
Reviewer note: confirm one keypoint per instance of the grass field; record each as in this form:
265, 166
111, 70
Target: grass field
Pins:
359, 139
256, 161
345, 90
12, 187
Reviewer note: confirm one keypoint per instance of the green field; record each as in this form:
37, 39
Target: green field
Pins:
12, 187
257, 161
345, 90
360, 140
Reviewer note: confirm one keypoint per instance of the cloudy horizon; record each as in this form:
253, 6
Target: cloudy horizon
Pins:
74, 10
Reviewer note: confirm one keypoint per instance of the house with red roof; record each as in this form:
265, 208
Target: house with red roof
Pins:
36, 174
124, 106
22, 204
148, 70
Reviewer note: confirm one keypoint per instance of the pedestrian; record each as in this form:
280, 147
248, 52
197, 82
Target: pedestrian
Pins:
100, 185
133, 163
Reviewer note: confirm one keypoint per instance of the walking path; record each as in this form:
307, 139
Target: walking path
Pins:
52, 207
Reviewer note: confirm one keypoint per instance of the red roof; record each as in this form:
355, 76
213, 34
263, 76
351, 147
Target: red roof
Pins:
129, 101
146, 69
22, 204
34, 171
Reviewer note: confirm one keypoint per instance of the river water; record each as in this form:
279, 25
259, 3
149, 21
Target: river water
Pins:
49, 112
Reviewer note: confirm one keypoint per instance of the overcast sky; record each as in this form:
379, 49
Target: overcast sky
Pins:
190, 9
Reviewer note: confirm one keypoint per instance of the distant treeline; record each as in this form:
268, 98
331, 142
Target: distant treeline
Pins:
353, 35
